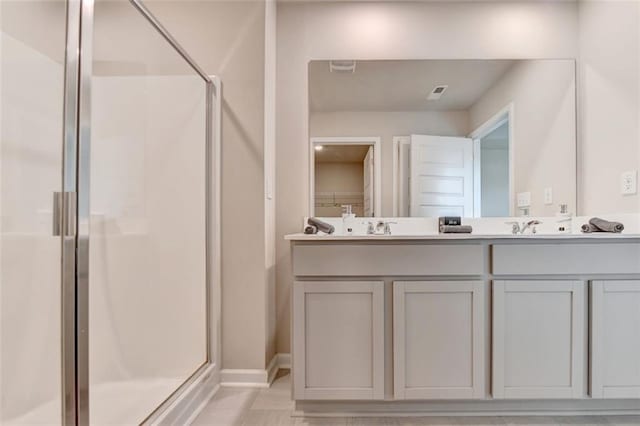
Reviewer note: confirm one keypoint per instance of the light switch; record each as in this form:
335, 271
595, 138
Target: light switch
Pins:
524, 199
629, 182
548, 196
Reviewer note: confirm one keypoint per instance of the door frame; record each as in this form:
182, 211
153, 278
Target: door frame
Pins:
398, 143
505, 114
374, 141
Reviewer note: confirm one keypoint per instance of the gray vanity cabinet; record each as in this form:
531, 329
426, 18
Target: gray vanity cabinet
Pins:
538, 339
338, 339
615, 339
439, 339
502, 324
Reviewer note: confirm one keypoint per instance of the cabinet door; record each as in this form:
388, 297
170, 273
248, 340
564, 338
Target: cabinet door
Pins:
615, 339
538, 339
438, 341
338, 340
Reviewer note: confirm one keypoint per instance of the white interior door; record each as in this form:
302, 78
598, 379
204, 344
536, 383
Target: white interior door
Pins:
368, 183
441, 182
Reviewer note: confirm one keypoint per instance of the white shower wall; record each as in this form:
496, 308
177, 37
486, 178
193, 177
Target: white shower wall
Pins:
147, 254
30, 171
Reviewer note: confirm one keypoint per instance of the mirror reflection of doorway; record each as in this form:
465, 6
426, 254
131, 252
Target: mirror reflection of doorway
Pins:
493, 164
343, 177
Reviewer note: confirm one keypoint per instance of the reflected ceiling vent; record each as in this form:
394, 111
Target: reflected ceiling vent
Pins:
437, 92
344, 67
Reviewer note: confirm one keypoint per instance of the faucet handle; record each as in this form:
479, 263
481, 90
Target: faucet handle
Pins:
515, 226
387, 227
370, 230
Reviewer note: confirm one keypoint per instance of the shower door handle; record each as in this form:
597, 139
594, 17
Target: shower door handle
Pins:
64, 214
57, 213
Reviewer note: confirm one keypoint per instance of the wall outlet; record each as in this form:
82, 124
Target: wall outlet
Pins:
523, 199
548, 196
629, 182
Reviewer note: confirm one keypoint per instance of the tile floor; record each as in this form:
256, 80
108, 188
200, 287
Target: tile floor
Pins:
273, 407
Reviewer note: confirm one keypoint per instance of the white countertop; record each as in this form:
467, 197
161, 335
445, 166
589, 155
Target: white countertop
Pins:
493, 228
338, 237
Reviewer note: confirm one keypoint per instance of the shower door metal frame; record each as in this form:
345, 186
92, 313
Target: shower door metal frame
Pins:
69, 320
75, 215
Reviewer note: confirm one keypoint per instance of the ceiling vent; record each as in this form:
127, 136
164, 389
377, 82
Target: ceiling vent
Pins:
345, 67
437, 92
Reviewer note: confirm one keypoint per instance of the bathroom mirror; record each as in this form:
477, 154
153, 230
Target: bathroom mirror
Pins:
429, 138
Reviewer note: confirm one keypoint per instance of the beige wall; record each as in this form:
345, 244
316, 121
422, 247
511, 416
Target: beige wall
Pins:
542, 94
388, 30
386, 125
609, 109
227, 38
270, 174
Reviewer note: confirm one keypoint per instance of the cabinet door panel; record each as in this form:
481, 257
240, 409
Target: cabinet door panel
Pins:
538, 330
438, 339
338, 340
615, 339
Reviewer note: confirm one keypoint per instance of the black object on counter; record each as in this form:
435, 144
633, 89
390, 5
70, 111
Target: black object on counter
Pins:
449, 220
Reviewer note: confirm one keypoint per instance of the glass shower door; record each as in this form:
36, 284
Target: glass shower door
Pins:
147, 222
104, 160
32, 94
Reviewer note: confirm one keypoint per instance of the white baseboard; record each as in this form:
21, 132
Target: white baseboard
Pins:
186, 408
255, 378
284, 361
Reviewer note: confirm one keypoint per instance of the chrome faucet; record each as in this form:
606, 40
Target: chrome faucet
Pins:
517, 229
370, 230
531, 224
387, 227
381, 227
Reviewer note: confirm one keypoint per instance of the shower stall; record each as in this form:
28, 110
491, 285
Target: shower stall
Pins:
109, 189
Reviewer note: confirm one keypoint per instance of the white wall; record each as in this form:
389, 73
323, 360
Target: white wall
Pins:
609, 110
388, 30
544, 129
386, 125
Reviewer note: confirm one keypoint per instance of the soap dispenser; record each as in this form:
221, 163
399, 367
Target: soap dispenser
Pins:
348, 219
564, 219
